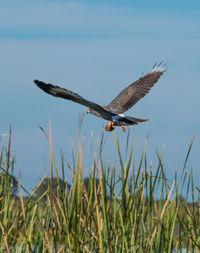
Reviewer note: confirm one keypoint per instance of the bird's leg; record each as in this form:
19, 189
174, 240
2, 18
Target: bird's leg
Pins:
110, 127
123, 128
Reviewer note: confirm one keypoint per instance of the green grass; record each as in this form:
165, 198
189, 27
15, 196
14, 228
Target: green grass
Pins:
111, 214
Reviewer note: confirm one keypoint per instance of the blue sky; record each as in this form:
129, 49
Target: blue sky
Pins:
96, 48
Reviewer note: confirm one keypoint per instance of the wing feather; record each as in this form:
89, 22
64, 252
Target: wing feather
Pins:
134, 92
57, 91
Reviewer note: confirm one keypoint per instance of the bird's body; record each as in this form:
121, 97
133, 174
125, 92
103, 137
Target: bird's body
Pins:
113, 112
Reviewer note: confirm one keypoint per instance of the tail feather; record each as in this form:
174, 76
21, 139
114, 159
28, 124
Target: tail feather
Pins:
137, 120
128, 121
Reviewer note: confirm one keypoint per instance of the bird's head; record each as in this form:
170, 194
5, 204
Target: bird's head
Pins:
89, 110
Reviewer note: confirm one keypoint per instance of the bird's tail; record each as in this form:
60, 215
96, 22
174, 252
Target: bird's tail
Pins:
129, 121
136, 120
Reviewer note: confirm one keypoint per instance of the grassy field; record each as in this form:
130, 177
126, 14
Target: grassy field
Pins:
110, 214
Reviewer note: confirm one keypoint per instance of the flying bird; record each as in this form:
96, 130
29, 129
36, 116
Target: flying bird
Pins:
113, 112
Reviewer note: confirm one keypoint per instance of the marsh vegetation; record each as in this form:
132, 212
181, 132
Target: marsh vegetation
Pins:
135, 210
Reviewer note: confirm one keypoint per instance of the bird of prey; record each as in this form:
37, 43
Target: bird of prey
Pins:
113, 112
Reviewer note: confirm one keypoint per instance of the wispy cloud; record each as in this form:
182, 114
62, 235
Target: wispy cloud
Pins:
64, 20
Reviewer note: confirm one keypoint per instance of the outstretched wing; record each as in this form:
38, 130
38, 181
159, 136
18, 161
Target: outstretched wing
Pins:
134, 92
56, 91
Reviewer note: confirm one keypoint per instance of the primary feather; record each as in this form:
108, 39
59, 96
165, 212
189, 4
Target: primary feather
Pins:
134, 92
56, 91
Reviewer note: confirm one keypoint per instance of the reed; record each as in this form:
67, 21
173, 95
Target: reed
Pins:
110, 214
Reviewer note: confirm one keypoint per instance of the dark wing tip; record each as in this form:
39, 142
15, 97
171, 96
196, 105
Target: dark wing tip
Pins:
37, 82
41, 84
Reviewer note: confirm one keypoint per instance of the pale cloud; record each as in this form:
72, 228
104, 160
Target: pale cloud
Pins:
70, 19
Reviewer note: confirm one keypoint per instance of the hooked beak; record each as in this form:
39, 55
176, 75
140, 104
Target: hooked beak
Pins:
89, 111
